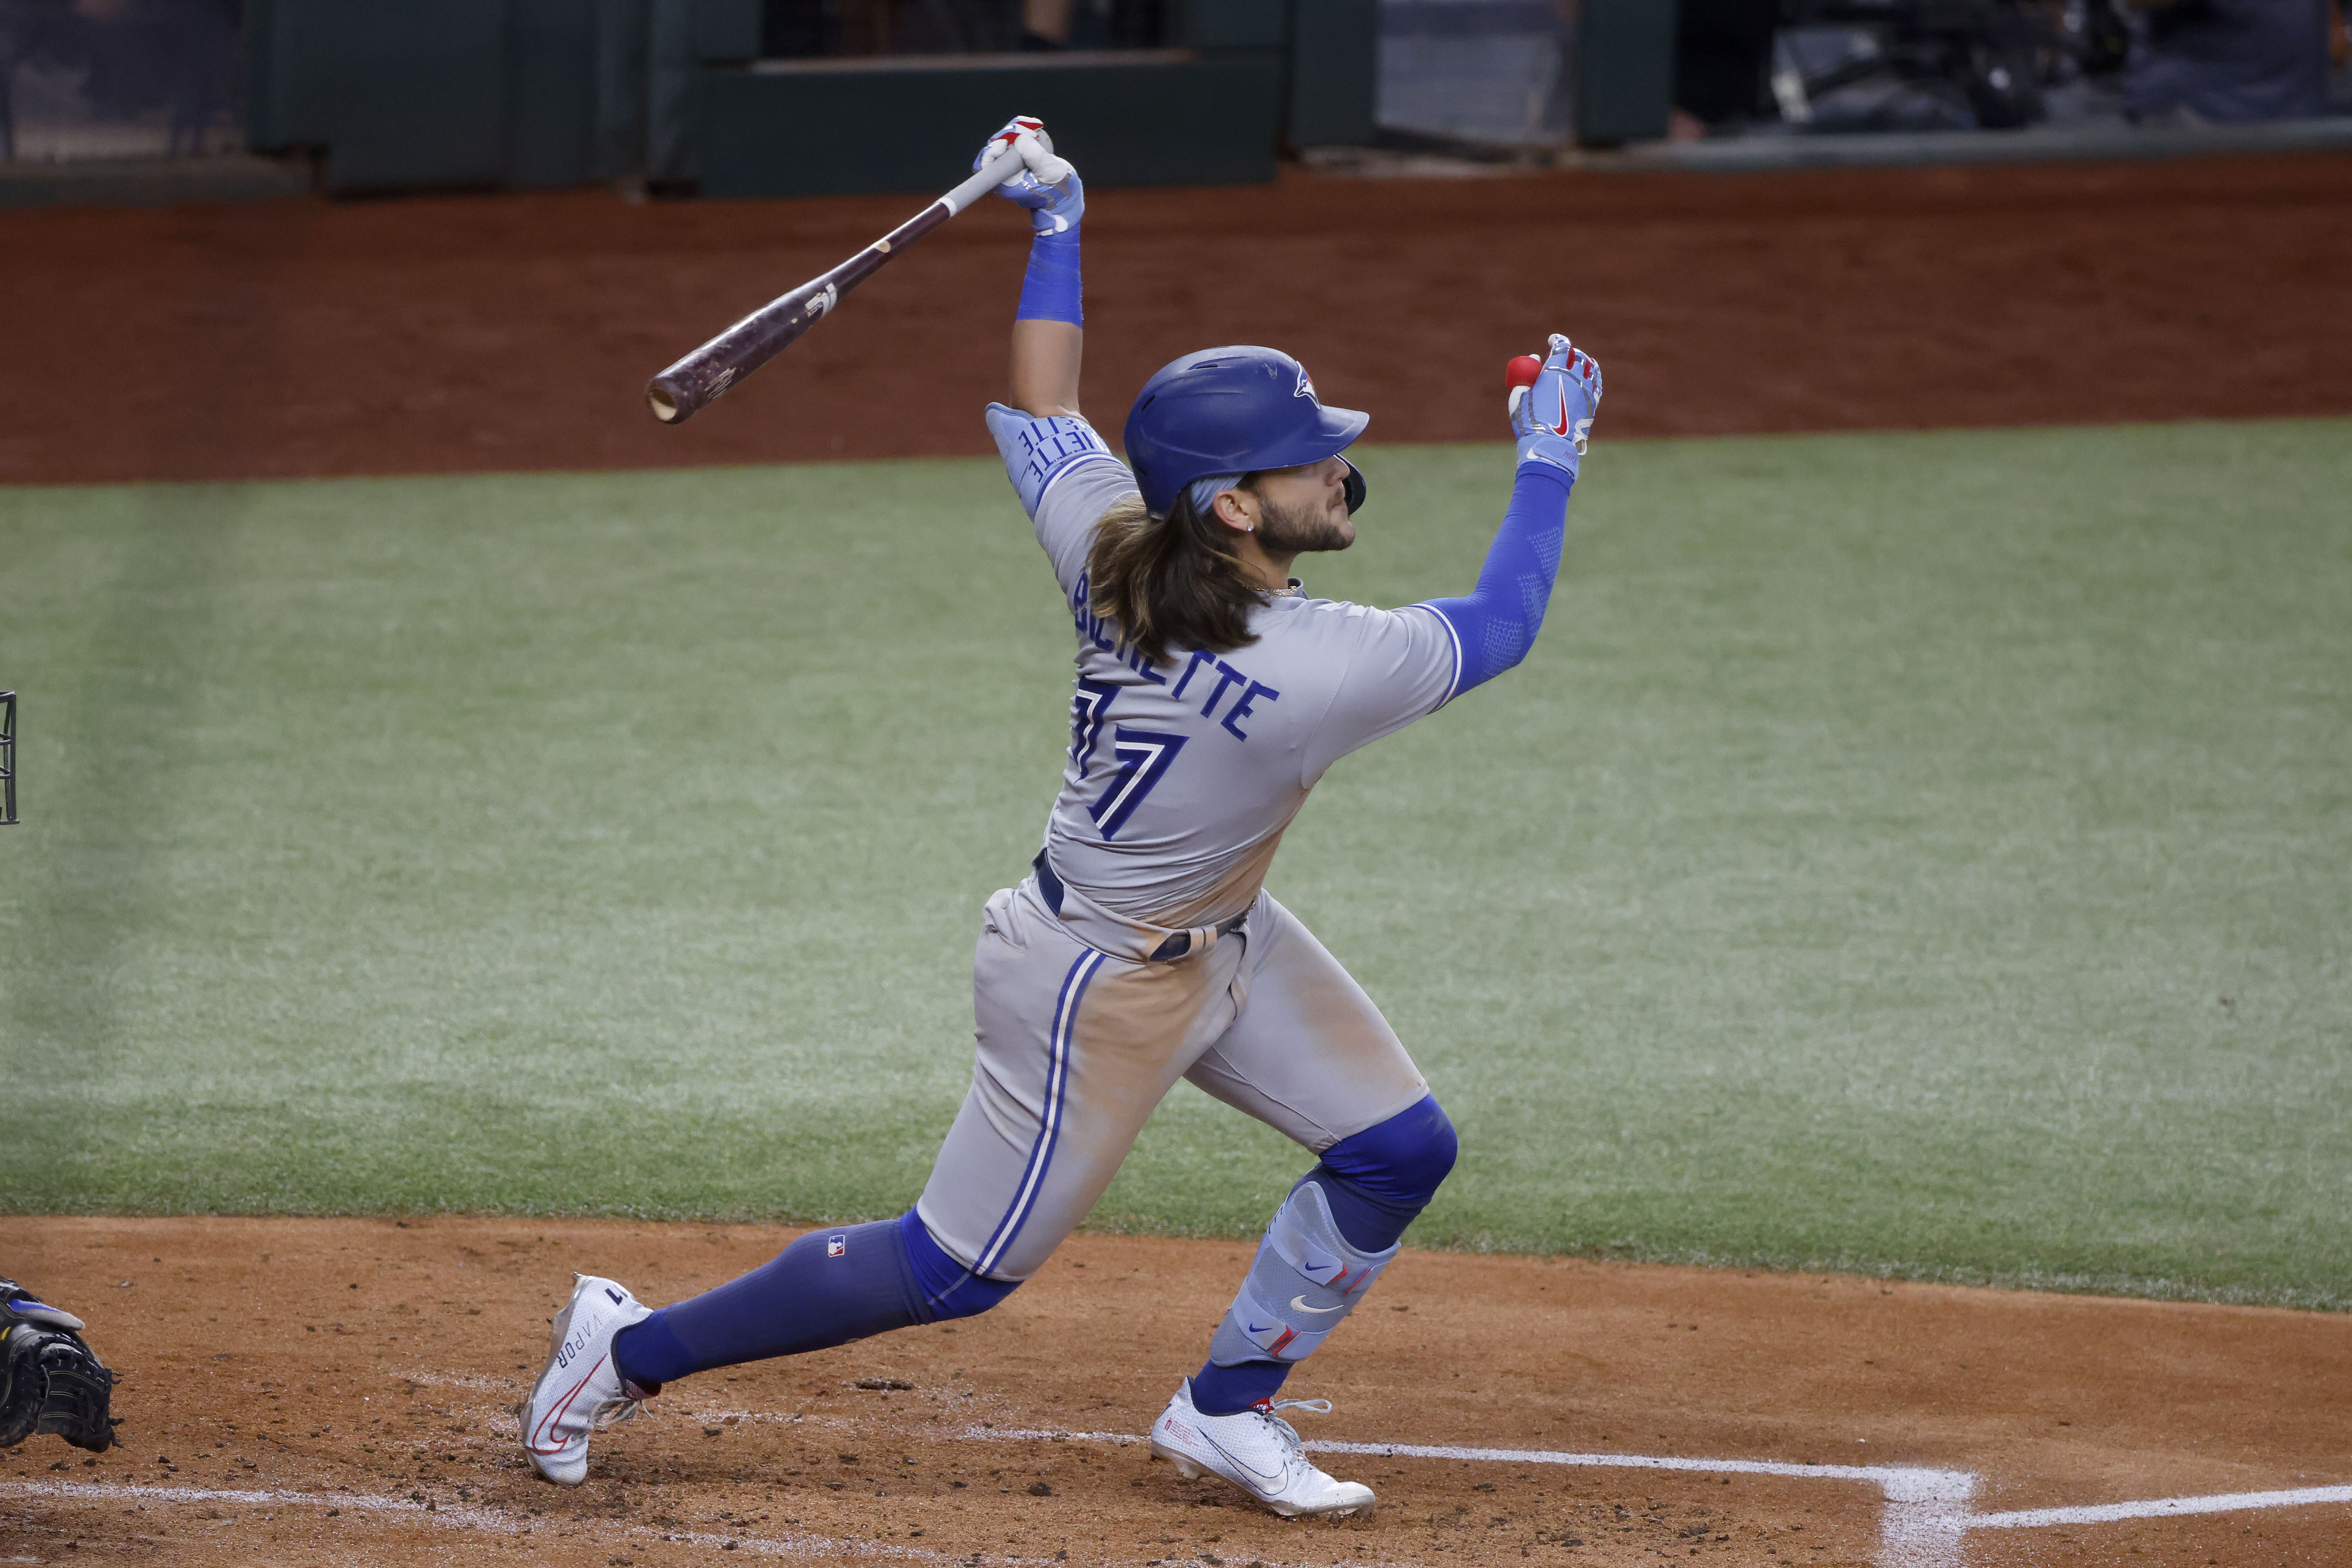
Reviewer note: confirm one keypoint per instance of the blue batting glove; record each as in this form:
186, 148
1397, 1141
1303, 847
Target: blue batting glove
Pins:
1553, 418
1047, 186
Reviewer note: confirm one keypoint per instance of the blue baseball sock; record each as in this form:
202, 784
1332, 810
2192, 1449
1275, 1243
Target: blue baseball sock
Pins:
1376, 1183
826, 1289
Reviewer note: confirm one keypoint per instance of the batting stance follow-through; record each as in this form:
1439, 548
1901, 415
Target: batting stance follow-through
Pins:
1212, 692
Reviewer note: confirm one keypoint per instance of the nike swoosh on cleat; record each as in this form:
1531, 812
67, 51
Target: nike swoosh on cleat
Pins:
555, 1412
1273, 1477
1299, 1303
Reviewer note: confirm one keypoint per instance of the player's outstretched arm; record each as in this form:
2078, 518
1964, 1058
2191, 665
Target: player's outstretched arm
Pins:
1049, 328
1496, 623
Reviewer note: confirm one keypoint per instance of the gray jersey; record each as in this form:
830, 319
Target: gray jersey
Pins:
1181, 777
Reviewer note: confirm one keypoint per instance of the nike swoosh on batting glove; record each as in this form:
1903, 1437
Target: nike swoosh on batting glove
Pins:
1553, 419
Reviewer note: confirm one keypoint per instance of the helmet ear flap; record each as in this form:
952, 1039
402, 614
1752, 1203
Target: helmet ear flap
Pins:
1355, 487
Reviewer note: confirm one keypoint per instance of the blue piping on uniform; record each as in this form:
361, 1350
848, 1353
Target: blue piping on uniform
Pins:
1041, 1153
949, 1290
1453, 637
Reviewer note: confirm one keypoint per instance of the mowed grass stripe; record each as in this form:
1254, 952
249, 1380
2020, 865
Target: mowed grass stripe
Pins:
1922, 853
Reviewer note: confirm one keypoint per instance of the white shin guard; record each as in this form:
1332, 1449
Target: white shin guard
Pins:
1304, 1281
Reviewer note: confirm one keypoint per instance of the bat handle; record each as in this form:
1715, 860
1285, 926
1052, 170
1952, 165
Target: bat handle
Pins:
984, 179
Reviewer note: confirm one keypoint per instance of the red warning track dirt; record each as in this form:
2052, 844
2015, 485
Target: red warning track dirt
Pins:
503, 332
305, 1391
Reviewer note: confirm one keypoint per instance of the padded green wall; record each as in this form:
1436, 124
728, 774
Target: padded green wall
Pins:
398, 95
1624, 70
1334, 72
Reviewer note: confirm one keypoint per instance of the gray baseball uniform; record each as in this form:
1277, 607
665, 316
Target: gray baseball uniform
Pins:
1146, 949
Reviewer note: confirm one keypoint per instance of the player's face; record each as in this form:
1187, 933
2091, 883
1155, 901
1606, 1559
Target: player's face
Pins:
1304, 508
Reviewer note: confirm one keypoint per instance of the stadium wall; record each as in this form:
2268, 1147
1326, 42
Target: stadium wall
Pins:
550, 93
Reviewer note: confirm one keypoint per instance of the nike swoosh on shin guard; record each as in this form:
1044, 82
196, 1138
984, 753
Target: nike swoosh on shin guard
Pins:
1304, 1257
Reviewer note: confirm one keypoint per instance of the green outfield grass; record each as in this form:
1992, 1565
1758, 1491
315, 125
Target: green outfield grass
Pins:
1923, 854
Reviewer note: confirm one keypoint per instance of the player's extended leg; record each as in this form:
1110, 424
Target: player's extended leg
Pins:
826, 1289
1076, 1050
1311, 1055
609, 1351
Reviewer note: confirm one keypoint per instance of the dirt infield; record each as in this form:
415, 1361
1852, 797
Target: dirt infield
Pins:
502, 332
304, 1391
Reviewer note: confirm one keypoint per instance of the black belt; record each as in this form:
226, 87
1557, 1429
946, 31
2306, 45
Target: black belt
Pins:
1048, 883
1175, 947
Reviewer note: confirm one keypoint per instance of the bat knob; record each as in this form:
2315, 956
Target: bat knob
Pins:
1522, 372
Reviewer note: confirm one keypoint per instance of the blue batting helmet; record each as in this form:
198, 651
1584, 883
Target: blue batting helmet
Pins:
1230, 411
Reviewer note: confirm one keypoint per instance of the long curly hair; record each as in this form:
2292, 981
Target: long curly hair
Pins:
1171, 582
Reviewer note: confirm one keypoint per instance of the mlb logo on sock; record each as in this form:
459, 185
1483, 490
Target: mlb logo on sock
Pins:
835, 1246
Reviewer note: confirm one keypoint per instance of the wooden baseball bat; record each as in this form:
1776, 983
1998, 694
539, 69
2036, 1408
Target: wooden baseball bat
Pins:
677, 393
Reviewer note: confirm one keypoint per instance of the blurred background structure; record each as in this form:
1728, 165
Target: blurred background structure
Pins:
120, 79
717, 97
1931, 65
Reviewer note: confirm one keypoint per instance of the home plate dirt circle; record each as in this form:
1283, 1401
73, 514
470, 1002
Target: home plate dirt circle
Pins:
298, 1390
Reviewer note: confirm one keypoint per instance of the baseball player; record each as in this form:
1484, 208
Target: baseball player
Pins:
1211, 693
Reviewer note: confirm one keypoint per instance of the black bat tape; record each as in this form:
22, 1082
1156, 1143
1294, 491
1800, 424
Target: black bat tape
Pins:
677, 393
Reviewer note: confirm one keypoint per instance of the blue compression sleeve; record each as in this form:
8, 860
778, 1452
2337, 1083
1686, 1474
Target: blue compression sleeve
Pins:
1051, 290
1497, 622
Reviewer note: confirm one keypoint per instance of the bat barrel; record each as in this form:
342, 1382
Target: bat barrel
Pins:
686, 388
682, 390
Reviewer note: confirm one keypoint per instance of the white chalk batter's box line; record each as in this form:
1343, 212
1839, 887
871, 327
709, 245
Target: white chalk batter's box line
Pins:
1927, 1514
1925, 1520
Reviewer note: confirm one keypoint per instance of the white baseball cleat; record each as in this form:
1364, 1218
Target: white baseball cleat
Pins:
1256, 1450
581, 1391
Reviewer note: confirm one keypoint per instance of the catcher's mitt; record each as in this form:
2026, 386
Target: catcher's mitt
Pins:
50, 1382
